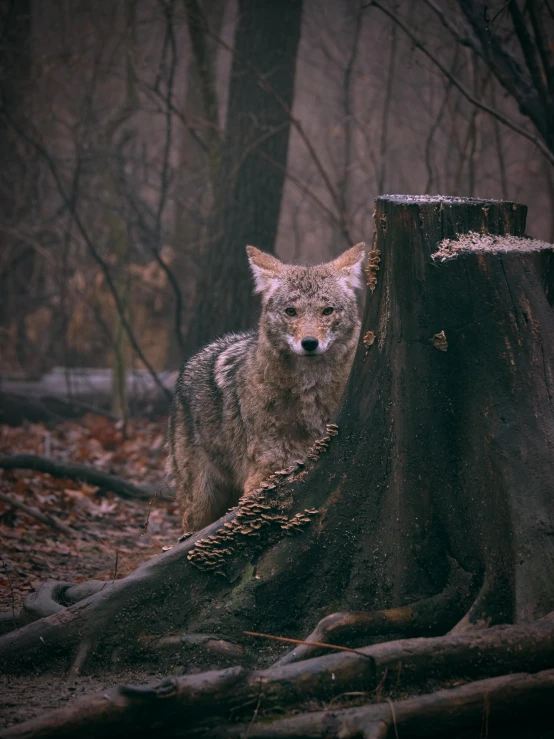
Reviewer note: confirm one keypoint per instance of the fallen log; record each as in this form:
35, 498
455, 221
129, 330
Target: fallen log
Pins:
68, 392
82, 472
485, 704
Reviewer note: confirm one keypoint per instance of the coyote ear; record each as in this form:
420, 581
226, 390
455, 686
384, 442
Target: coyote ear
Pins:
265, 268
349, 266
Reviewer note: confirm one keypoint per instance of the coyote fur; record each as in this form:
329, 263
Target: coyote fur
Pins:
251, 403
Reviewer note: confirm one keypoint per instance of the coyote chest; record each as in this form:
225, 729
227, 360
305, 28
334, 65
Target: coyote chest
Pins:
252, 403
300, 416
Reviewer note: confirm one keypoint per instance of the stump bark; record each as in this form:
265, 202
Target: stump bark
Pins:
434, 502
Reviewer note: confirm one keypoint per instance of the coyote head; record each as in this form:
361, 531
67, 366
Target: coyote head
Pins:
307, 310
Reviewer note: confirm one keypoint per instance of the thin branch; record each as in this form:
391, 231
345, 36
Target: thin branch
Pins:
91, 247
164, 182
539, 143
386, 110
500, 151
464, 40
309, 643
347, 95
434, 126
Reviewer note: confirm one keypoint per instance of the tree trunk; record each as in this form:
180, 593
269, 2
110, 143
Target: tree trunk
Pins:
436, 493
18, 184
253, 164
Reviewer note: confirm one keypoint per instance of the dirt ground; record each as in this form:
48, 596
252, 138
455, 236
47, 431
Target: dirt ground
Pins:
110, 538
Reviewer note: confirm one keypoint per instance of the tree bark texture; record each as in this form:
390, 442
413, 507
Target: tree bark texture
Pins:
18, 174
435, 494
253, 164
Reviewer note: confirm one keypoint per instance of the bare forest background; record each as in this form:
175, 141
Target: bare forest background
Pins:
144, 143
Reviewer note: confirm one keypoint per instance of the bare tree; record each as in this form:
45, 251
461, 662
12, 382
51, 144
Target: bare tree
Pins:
250, 180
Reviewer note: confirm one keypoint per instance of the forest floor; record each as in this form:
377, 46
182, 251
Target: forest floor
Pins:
110, 539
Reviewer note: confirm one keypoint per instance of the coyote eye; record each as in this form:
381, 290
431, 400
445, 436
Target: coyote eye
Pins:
327, 311
290, 311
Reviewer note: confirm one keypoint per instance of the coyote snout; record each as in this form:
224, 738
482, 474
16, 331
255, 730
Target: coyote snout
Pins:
309, 346
252, 403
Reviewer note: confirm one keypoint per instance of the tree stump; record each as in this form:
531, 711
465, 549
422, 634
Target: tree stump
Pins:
431, 507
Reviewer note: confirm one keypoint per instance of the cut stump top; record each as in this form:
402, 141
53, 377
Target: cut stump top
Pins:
446, 199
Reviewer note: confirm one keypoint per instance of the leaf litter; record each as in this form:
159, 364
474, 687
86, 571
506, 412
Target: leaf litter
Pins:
109, 531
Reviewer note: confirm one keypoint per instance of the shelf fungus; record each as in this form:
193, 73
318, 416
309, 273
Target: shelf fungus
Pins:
439, 341
372, 268
259, 515
369, 338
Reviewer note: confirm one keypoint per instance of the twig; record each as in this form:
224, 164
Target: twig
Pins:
11, 593
164, 179
381, 179
255, 714
309, 643
376, 690
47, 519
115, 565
393, 714
148, 512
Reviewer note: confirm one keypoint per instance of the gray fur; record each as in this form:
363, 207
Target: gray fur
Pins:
251, 403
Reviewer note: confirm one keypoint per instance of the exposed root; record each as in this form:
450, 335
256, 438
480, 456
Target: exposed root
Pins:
496, 700
46, 518
81, 657
491, 606
74, 471
47, 600
214, 644
183, 702
435, 613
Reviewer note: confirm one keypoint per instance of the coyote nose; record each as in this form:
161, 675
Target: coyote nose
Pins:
309, 344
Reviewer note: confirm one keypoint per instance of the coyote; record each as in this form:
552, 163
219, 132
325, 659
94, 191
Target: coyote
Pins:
251, 403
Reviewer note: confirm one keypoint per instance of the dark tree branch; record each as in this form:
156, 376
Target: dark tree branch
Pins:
530, 52
164, 180
547, 55
504, 65
204, 63
465, 92
74, 471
